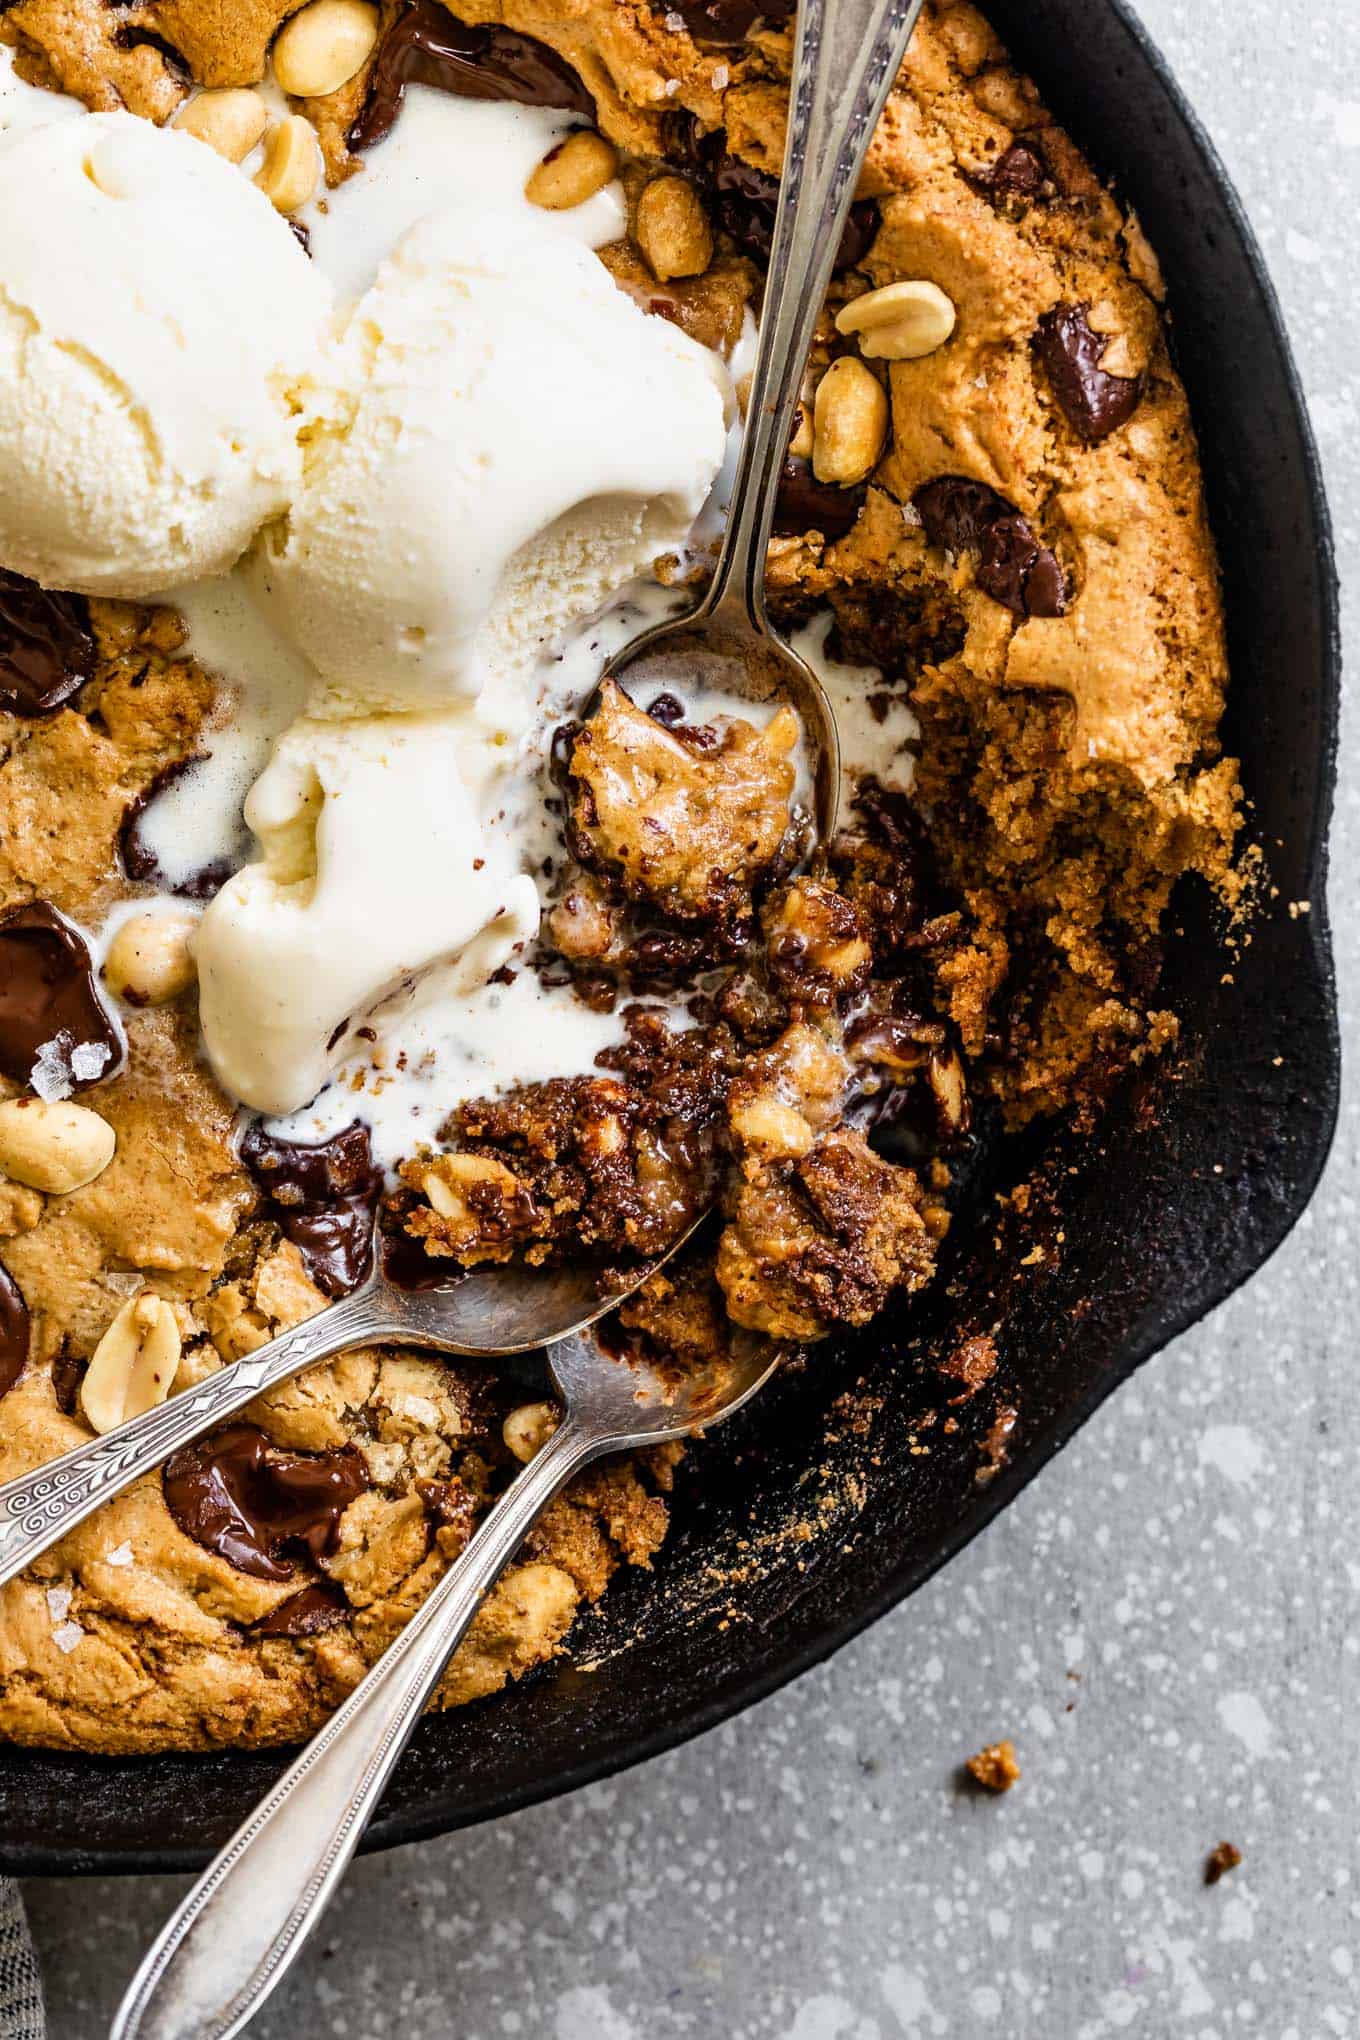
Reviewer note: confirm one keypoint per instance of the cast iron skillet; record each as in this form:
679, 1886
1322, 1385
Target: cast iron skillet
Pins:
1194, 1179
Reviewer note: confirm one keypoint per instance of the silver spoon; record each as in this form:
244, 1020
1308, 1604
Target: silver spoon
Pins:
489, 1314
241, 1927
847, 56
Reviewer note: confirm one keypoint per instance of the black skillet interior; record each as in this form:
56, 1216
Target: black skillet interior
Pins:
1193, 1181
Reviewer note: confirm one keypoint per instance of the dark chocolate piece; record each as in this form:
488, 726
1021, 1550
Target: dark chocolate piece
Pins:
426, 46
48, 994
47, 650
1022, 172
323, 1198
13, 1331
306, 1613
68, 1371
140, 862
1095, 404
667, 711
805, 504
1013, 567
451, 1507
237, 1495
743, 199
723, 24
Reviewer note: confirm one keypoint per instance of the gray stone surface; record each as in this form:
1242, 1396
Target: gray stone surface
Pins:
808, 1872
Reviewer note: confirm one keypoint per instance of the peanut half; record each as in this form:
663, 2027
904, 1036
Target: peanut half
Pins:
581, 164
291, 168
134, 1363
671, 228
150, 959
53, 1146
900, 322
323, 46
849, 422
527, 1430
230, 120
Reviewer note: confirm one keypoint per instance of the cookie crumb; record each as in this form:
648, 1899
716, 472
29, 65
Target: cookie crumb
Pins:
1220, 1861
995, 1768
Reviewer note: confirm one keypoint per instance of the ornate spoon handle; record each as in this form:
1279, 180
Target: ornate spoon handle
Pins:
848, 53
253, 1910
40, 1507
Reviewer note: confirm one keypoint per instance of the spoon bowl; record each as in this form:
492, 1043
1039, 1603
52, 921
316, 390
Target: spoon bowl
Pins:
728, 655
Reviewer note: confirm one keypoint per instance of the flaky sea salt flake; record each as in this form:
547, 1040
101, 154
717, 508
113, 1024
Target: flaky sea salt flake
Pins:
50, 1077
68, 1636
88, 1059
120, 1555
58, 1602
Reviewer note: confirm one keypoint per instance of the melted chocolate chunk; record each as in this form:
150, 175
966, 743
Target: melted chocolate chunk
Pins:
323, 1198
306, 1613
47, 650
743, 199
721, 24
238, 1496
1022, 172
451, 1507
1095, 404
426, 46
805, 504
13, 1331
140, 861
48, 994
1013, 568
68, 1372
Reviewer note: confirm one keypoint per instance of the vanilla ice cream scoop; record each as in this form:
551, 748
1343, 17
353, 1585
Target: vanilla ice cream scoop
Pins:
157, 320
378, 879
509, 439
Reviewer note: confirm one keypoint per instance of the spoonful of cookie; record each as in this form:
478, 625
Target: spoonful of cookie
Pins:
848, 55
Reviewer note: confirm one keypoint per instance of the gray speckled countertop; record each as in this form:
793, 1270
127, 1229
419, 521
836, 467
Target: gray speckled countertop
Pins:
808, 1872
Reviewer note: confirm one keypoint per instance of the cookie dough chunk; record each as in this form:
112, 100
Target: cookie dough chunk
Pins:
685, 820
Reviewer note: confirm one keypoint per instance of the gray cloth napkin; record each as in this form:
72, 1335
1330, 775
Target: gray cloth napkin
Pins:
21, 2005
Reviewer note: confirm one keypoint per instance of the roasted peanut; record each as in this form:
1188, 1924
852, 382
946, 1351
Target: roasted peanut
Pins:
134, 1363
527, 1430
800, 446
230, 120
581, 164
323, 46
53, 1146
900, 322
291, 168
849, 423
672, 230
150, 959
765, 1122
